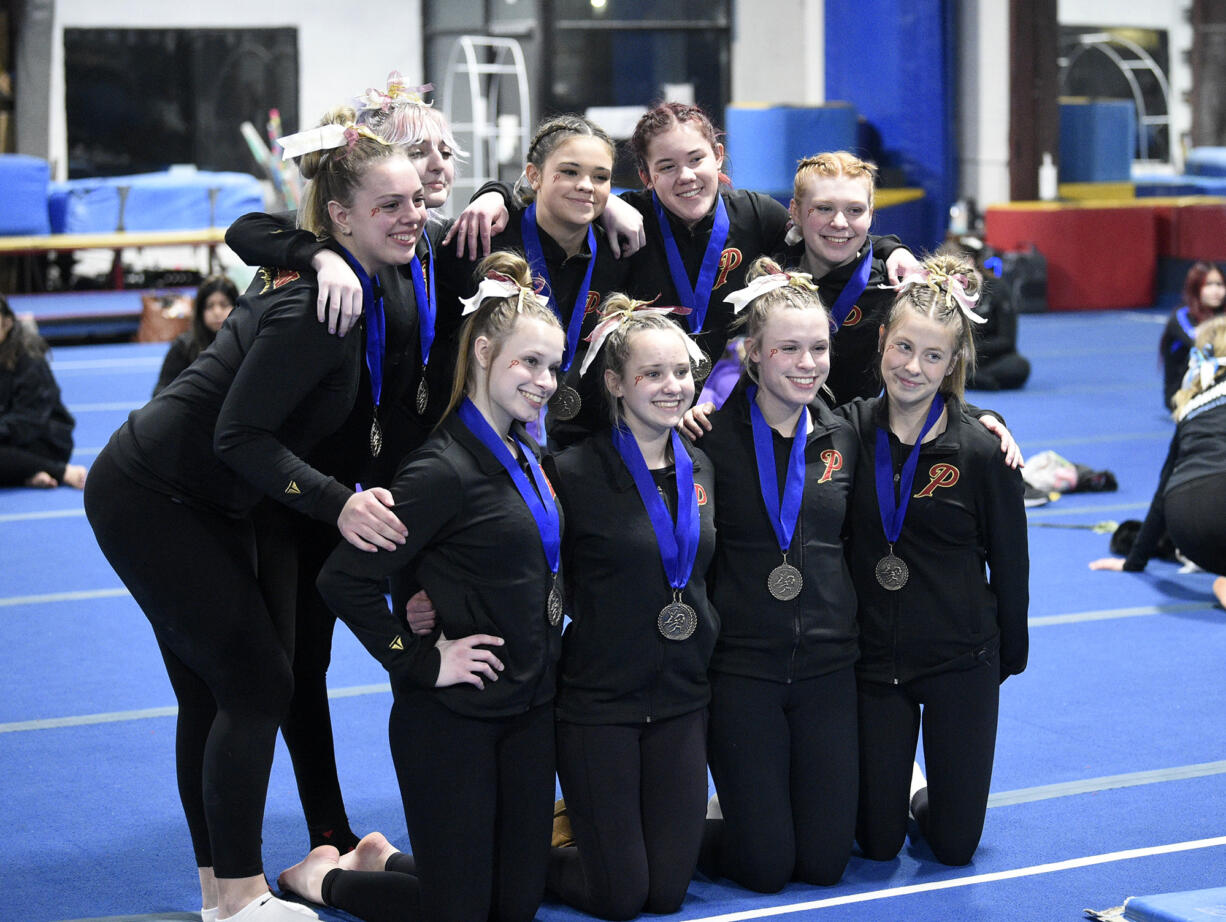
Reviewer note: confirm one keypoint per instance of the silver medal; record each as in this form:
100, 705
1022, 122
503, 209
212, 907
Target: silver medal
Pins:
553, 607
376, 437
892, 572
785, 582
565, 403
702, 368
423, 394
677, 621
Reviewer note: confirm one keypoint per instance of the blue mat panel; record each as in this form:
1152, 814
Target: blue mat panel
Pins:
1193, 906
23, 206
173, 200
1097, 140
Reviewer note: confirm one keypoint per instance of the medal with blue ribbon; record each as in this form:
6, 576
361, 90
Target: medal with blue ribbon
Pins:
678, 542
539, 501
785, 581
427, 313
854, 288
696, 296
565, 402
376, 336
891, 571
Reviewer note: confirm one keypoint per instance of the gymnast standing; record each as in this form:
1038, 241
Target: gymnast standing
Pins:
395, 391
782, 743
1190, 502
631, 713
938, 557
471, 728
195, 461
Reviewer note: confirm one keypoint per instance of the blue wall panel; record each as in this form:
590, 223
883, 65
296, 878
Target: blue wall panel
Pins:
895, 61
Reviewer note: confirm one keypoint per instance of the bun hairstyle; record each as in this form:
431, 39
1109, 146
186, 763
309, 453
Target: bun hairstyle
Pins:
551, 134
333, 174
615, 347
799, 293
1210, 350
832, 165
496, 316
943, 290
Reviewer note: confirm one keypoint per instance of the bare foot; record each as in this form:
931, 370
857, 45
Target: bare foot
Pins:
1219, 590
306, 878
42, 479
74, 476
371, 854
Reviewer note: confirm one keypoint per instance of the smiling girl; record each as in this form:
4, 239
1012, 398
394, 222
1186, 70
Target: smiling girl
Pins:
195, 462
782, 743
632, 690
471, 728
939, 561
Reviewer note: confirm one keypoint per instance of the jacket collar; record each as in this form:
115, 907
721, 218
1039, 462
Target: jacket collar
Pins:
615, 470
486, 461
823, 419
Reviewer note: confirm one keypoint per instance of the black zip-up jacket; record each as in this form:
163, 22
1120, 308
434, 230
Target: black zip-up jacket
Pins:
1197, 450
964, 543
474, 546
853, 348
566, 273
762, 637
239, 421
616, 666
273, 240
32, 412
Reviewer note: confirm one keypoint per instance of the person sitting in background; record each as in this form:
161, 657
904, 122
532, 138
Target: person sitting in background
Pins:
215, 298
1204, 291
1190, 502
998, 364
35, 426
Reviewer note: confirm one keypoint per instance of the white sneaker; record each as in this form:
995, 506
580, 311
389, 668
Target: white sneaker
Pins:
918, 783
208, 915
268, 908
713, 809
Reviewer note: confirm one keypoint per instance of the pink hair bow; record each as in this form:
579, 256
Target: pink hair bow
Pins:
955, 290
397, 91
612, 322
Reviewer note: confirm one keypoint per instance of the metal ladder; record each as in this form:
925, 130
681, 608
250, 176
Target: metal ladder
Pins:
497, 129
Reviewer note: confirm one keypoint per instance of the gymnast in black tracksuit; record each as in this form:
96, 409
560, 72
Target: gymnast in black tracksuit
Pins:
631, 708
345, 454
944, 632
782, 745
195, 461
1190, 501
472, 721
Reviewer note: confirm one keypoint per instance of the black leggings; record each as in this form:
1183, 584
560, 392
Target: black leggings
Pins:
193, 573
1196, 521
17, 465
959, 725
308, 725
783, 758
478, 801
636, 796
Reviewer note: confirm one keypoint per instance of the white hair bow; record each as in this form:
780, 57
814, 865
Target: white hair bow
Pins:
611, 323
494, 285
955, 290
763, 283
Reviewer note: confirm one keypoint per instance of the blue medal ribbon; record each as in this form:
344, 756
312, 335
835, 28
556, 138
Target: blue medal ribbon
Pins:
894, 511
536, 259
784, 512
427, 299
678, 542
696, 297
854, 288
376, 325
540, 501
